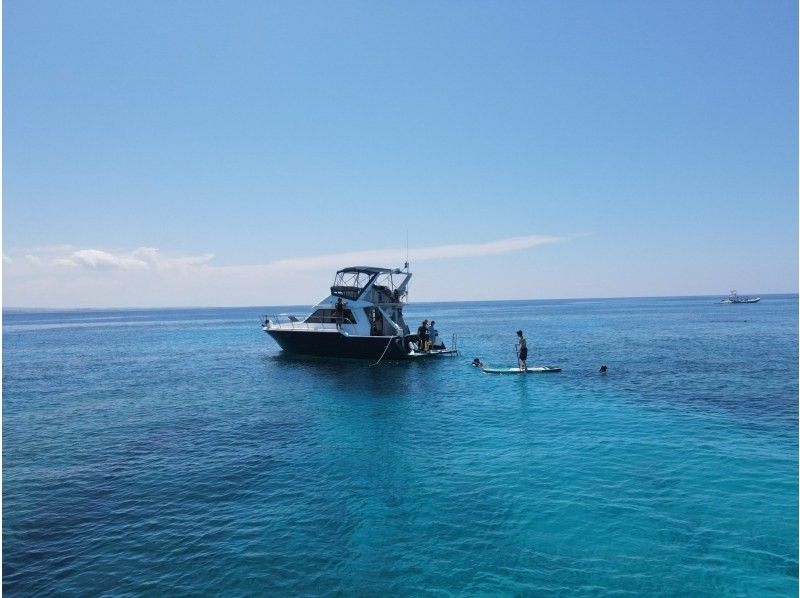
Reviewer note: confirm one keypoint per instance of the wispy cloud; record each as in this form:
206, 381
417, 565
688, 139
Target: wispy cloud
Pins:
396, 255
151, 258
73, 276
143, 258
103, 260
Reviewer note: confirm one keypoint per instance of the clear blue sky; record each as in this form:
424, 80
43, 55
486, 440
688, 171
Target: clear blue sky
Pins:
655, 141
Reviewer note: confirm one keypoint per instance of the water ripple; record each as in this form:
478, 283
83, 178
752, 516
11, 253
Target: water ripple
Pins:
179, 452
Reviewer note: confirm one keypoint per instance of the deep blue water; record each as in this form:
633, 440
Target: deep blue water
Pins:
178, 452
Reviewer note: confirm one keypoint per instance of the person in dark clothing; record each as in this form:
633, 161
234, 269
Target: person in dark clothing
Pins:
377, 324
339, 312
422, 333
603, 369
522, 351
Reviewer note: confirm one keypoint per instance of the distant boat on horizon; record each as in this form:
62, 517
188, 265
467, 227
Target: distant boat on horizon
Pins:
735, 298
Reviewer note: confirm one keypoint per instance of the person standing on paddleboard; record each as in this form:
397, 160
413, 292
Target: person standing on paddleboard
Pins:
522, 351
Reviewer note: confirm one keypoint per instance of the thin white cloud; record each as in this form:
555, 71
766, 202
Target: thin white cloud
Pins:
397, 255
151, 258
146, 276
161, 261
143, 258
481, 249
7, 259
96, 259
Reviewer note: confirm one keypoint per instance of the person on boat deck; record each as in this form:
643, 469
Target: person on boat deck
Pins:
522, 355
339, 312
422, 334
377, 324
432, 334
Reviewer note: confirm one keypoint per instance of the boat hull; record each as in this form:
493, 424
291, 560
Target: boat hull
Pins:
335, 344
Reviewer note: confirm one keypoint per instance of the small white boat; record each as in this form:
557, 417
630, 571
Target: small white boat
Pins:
734, 297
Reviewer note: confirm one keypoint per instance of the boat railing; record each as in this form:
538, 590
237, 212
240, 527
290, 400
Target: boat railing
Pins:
291, 322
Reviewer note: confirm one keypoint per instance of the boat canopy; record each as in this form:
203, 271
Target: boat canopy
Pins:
351, 282
367, 270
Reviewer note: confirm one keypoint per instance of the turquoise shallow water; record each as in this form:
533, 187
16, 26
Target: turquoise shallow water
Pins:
178, 452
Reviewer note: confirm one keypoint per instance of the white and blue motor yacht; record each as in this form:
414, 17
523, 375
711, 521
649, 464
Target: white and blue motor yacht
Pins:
362, 317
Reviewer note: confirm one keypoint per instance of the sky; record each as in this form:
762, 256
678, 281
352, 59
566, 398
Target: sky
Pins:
190, 153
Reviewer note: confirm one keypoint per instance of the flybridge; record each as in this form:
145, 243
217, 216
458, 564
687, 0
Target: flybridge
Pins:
367, 283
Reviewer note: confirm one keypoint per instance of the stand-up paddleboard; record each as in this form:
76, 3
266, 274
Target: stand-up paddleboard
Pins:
544, 369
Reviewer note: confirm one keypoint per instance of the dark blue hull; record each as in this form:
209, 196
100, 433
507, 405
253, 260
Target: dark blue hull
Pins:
334, 344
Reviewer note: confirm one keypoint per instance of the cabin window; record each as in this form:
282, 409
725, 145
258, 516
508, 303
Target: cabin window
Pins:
328, 316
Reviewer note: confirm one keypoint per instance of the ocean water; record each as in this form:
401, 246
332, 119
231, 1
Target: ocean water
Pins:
178, 452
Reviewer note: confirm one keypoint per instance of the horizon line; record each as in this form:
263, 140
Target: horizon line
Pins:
131, 308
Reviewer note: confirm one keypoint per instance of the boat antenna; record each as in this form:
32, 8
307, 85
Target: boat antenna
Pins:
406, 264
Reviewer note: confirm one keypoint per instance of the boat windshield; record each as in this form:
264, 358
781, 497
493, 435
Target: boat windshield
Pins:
349, 283
328, 316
